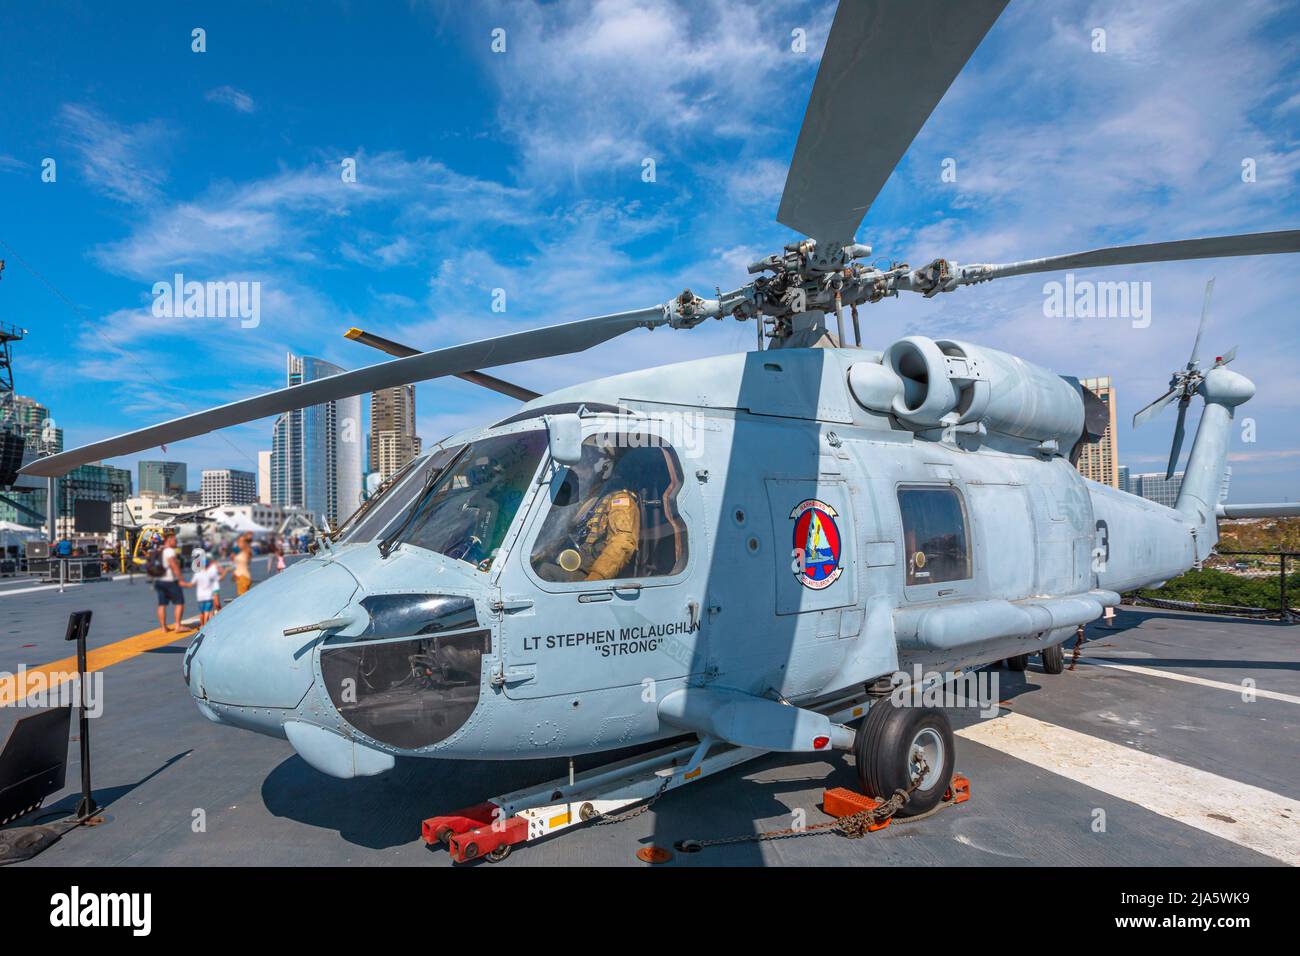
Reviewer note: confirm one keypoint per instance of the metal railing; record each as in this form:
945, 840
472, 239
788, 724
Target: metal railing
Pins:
1284, 611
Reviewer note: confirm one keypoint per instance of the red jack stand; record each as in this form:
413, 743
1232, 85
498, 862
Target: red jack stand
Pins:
474, 832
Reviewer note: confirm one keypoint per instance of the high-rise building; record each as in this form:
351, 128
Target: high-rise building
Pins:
226, 486
24, 503
316, 451
1154, 486
1099, 460
264, 477
163, 477
82, 493
32, 420
1123, 478
393, 441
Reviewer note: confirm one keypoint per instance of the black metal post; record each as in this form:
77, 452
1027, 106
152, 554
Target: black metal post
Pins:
1286, 610
78, 628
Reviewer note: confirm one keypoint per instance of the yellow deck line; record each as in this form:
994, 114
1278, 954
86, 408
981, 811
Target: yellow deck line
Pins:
59, 672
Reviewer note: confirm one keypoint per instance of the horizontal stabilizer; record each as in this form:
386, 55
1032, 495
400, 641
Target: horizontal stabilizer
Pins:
1273, 510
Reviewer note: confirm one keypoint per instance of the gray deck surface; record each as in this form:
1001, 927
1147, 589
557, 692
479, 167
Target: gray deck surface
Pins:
157, 761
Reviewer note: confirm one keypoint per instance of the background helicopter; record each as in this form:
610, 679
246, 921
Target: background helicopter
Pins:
932, 478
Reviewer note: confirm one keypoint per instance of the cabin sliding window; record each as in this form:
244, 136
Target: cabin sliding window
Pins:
613, 516
936, 545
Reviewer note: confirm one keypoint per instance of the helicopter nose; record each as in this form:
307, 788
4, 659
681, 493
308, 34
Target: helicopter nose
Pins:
242, 669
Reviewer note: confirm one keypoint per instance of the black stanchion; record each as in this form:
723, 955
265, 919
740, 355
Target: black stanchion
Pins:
78, 628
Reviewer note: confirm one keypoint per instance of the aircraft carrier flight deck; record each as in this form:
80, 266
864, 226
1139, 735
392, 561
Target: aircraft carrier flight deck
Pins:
1173, 741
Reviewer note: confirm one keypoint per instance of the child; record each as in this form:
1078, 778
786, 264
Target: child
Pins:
207, 584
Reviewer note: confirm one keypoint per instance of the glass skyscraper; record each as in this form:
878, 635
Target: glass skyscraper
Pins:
316, 451
163, 477
1154, 486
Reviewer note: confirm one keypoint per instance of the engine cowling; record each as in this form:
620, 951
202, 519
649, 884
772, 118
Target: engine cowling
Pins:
927, 383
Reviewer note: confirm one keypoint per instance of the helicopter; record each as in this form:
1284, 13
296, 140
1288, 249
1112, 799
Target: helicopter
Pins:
722, 547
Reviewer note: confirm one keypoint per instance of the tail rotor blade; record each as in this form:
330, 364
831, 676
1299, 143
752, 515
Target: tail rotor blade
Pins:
1200, 329
1226, 357
1177, 448
1148, 413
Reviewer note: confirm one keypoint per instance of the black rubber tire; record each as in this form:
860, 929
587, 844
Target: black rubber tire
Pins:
1053, 659
1018, 663
882, 750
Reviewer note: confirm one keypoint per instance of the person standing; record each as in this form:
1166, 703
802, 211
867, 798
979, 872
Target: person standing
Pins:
243, 563
168, 585
207, 583
274, 558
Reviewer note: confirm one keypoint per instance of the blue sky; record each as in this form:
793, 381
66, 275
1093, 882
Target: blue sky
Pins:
522, 171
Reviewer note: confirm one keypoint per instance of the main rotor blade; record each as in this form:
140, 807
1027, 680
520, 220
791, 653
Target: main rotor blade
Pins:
478, 378
886, 65
1200, 329
1177, 448
485, 353
1148, 413
1214, 247
1226, 357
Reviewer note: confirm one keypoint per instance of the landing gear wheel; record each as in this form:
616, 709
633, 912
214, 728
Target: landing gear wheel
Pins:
1018, 663
889, 741
1053, 659
499, 854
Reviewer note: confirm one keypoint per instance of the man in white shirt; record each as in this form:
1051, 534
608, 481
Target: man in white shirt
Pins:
169, 585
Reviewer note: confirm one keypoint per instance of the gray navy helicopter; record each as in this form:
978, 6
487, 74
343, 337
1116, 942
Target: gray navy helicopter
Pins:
723, 547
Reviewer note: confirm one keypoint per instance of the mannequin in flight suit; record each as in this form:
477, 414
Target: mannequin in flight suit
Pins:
608, 532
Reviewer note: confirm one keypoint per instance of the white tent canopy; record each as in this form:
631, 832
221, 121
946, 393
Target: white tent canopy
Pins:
238, 522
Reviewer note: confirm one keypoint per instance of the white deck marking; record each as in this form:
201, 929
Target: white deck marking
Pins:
1248, 816
42, 587
1189, 679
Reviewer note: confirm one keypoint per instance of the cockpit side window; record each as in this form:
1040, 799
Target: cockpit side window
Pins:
467, 510
934, 535
614, 515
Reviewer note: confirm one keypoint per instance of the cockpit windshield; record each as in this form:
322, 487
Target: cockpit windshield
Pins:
467, 510
394, 496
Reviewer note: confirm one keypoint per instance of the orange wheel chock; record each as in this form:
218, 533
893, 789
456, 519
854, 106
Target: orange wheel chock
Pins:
958, 790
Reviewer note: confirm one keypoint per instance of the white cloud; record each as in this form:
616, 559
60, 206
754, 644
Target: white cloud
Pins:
124, 162
598, 87
305, 215
229, 96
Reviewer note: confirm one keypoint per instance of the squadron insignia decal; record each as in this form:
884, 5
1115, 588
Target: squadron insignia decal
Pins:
816, 544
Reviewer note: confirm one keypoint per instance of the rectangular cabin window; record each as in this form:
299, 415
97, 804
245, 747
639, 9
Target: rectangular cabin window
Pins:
935, 543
